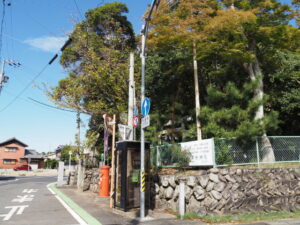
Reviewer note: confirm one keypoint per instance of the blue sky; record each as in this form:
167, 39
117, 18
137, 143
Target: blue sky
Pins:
33, 31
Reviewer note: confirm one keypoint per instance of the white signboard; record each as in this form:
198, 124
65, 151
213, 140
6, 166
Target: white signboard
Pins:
124, 132
145, 121
202, 152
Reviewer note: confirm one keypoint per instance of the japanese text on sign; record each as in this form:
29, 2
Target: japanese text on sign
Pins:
201, 152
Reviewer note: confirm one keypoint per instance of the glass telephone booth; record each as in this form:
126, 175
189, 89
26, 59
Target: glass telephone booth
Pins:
127, 179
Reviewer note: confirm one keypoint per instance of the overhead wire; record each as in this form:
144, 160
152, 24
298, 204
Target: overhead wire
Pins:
39, 74
76, 5
12, 31
24, 89
33, 101
1, 27
42, 103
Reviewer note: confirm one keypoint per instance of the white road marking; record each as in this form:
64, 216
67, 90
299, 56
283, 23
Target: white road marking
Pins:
68, 208
25, 198
20, 209
30, 190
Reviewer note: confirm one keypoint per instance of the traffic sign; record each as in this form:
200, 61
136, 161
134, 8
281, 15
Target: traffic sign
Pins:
136, 111
136, 121
145, 121
146, 106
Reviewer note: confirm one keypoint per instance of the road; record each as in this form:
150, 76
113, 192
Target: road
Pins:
27, 201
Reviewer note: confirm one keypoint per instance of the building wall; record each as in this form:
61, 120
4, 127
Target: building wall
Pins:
12, 155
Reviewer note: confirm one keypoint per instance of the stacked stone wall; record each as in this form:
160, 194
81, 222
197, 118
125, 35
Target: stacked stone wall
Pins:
91, 179
218, 191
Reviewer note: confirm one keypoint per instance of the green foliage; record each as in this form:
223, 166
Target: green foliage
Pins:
65, 153
172, 155
51, 164
180, 157
97, 62
223, 156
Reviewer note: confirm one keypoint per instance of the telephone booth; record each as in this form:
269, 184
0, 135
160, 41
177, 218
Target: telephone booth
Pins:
127, 181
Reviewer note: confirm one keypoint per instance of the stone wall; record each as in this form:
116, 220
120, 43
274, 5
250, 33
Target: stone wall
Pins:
231, 190
91, 179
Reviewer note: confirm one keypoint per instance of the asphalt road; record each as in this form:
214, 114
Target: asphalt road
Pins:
27, 201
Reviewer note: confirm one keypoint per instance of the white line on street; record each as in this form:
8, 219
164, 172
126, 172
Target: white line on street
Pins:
70, 210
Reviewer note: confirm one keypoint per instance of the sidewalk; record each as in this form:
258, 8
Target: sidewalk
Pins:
98, 208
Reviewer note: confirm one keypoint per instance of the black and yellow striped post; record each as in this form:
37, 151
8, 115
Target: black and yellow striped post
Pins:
143, 182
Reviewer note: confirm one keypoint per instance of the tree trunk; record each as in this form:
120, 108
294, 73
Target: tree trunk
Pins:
197, 93
256, 74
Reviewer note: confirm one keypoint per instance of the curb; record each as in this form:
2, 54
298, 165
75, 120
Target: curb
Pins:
84, 215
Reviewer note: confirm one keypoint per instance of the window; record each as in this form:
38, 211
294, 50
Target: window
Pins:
11, 149
9, 161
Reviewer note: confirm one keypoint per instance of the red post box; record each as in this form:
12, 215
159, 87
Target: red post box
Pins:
104, 181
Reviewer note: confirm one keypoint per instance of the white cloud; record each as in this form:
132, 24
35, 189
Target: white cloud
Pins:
47, 44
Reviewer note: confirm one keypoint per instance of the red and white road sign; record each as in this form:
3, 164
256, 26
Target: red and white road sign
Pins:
136, 121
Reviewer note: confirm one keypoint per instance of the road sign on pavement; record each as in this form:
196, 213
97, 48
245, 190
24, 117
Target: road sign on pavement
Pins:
146, 106
136, 121
145, 121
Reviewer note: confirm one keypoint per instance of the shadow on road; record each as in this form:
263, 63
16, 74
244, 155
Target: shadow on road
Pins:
7, 178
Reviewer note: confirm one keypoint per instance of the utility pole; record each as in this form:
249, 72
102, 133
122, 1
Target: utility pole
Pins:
143, 59
80, 168
131, 95
3, 78
113, 166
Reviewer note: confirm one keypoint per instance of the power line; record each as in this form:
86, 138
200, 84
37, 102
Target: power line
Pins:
39, 74
1, 29
42, 103
25, 88
75, 2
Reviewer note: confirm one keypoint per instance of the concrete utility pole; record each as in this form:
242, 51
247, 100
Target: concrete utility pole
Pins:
80, 168
113, 166
143, 59
3, 78
131, 95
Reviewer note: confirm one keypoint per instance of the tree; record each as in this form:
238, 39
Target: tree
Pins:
249, 34
97, 62
65, 150
179, 26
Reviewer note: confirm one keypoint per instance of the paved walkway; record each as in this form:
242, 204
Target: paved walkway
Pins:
93, 208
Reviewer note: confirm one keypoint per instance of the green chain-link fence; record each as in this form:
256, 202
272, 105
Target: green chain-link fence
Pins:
235, 152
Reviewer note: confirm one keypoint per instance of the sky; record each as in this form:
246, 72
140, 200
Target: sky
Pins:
33, 31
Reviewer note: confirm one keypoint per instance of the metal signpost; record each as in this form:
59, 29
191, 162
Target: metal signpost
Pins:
145, 107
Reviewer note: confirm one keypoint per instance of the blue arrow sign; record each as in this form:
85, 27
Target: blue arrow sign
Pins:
146, 106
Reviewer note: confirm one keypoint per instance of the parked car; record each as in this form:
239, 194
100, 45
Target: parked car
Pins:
23, 167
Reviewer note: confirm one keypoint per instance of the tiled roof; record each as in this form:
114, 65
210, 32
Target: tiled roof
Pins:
13, 140
33, 154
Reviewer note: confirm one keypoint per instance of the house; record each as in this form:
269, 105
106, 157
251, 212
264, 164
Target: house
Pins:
13, 153
50, 155
35, 159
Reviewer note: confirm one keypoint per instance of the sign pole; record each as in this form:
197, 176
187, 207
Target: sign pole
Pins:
143, 59
142, 189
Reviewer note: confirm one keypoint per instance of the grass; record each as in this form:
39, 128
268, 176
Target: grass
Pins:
244, 217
